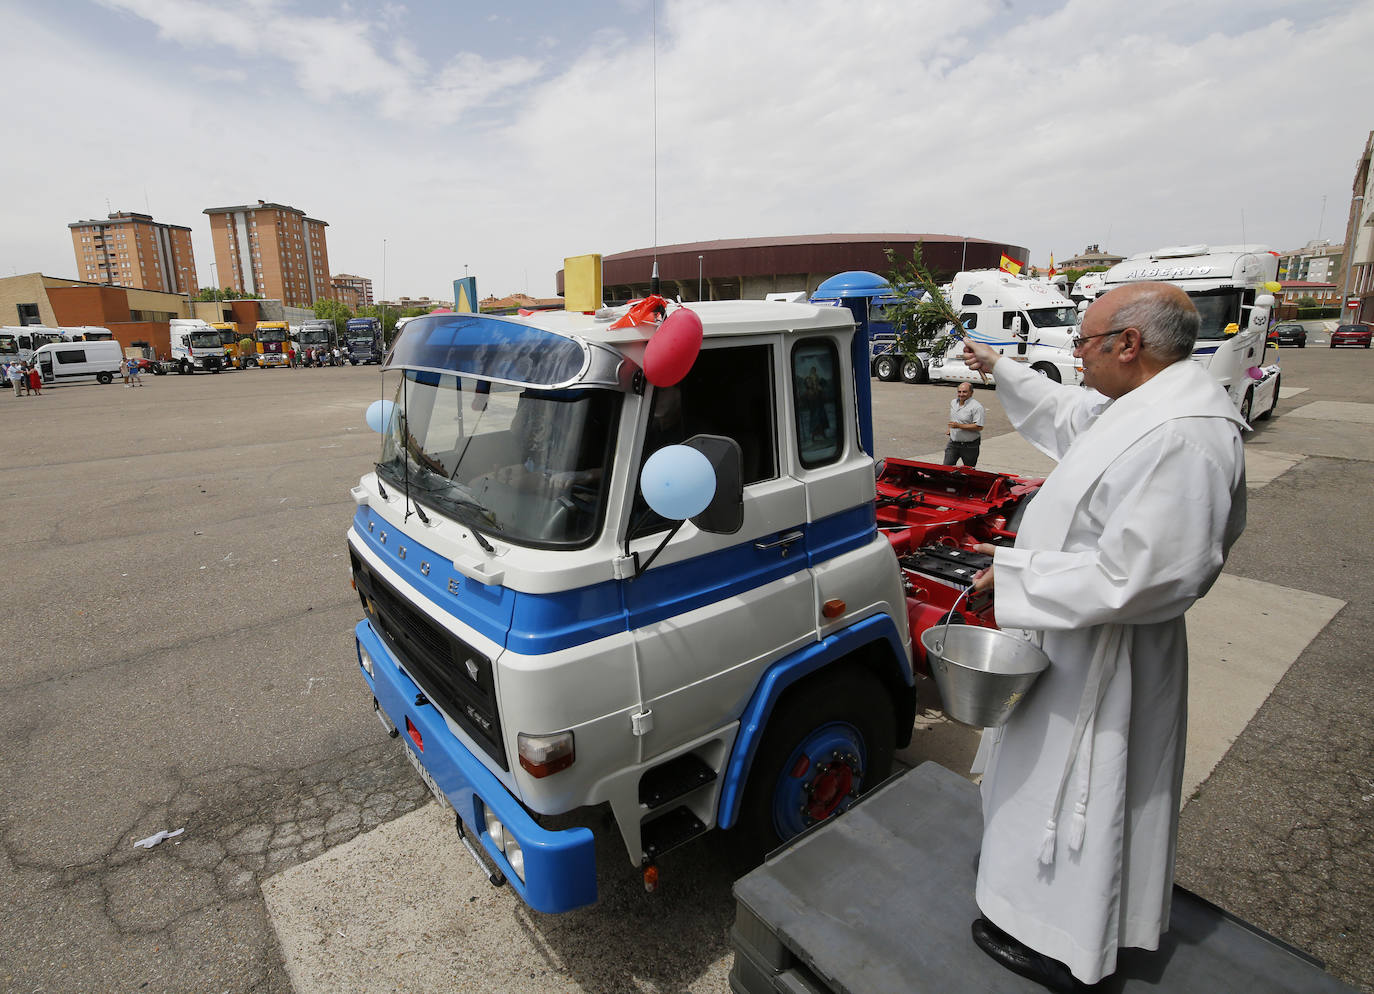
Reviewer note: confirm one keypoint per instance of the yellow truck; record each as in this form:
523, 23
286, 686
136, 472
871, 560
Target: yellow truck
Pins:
229, 338
274, 343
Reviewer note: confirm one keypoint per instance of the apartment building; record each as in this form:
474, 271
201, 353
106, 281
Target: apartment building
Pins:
355, 291
1318, 261
133, 250
273, 250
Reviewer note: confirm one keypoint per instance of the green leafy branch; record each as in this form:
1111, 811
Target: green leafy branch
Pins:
922, 316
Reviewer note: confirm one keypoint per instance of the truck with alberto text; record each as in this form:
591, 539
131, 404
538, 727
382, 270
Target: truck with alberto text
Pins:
1233, 288
606, 566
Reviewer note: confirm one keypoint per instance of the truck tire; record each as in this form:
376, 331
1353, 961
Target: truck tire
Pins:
1049, 371
914, 371
105, 378
886, 368
186, 369
830, 739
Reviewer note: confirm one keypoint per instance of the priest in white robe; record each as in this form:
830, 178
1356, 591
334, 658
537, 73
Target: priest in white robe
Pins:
1081, 786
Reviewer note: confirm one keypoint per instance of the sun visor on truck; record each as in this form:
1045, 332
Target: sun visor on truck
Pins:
490, 348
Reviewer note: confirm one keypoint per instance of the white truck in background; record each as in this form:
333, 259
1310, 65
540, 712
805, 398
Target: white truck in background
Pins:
195, 345
1233, 288
1023, 319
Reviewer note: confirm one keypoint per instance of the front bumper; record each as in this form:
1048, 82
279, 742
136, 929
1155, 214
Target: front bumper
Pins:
560, 867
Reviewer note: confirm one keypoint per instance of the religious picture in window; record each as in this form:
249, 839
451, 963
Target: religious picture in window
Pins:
817, 390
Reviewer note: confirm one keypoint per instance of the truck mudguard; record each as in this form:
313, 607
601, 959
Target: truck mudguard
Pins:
783, 674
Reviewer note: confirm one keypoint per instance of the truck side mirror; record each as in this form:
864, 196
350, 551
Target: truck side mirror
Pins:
725, 514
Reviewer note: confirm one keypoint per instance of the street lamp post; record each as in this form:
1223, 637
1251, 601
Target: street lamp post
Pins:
1354, 244
700, 270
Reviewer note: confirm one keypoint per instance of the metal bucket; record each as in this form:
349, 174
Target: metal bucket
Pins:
982, 673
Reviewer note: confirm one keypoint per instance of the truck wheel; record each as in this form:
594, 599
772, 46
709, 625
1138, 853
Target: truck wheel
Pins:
104, 378
1049, 371
830, 739
186, 369
1246, 405
886, 368
914, 371
1273, 403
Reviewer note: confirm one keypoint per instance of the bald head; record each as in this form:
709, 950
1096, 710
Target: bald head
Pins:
1166, 318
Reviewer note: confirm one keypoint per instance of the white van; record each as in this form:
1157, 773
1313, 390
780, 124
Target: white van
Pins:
64, 361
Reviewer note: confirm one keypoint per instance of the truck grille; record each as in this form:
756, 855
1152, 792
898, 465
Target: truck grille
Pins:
453, 675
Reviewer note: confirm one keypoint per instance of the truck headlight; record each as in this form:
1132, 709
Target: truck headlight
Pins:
516, 857
495, 829
365, 660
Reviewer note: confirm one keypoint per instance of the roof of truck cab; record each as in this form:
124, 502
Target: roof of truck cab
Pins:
719, 318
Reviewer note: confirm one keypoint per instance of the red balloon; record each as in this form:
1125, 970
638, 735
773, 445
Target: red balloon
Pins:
674, 347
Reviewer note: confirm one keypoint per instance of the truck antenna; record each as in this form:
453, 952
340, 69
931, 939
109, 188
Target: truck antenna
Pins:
653, 282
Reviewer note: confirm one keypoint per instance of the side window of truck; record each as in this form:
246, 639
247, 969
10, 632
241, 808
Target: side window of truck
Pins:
71, 355
816, 401
729, 391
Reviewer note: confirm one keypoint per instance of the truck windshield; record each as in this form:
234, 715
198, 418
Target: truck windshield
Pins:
1053, 317
205, 340
1217, 309
314, 336
8, 345
271, 335
227, 337
527, 465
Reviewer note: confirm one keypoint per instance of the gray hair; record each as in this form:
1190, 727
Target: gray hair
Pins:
1168, 322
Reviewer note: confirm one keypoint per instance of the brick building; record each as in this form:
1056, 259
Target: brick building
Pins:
133, 250
273, 250
355, 291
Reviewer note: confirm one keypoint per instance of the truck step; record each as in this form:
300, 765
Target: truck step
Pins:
673, 779
665, 834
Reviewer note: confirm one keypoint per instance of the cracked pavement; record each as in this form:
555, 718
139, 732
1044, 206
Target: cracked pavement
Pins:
179, 622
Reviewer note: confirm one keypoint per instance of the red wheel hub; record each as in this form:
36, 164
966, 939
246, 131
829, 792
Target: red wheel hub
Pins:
832, 785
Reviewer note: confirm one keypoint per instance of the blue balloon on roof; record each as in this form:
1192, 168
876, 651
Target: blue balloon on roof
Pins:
855, 283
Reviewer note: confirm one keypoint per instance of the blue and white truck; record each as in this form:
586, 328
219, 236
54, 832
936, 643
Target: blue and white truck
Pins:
542, 640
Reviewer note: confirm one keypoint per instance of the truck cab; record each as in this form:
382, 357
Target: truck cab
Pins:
1023, 319
1233, 288
542, 641
273, 343
195, 345
363, 341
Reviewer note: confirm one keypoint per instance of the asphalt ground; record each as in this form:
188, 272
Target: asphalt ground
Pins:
179, 621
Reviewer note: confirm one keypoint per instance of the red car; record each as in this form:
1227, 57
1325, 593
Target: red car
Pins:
1352, 334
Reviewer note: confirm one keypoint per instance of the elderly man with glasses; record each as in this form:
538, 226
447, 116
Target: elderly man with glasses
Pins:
1081, 786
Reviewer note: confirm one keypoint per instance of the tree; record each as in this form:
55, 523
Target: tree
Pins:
225, 293
921, 316
333, 310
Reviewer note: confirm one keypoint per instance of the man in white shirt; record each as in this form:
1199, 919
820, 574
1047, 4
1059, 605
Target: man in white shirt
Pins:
1081, 785
966, 420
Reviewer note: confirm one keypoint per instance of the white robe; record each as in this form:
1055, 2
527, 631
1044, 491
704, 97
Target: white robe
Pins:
1127, 532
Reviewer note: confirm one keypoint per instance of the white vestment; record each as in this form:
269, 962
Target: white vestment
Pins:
1081, 786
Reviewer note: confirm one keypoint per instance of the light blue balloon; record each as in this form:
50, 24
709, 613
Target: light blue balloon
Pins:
379, 415
678, 482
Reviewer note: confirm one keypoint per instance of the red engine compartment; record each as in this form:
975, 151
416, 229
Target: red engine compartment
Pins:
934, 515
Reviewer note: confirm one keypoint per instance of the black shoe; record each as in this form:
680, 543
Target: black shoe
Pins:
1021, 959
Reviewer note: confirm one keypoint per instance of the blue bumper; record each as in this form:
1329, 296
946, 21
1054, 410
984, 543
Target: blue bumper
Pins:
560, 867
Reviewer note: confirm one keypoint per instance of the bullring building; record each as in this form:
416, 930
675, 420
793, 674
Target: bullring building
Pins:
750, 268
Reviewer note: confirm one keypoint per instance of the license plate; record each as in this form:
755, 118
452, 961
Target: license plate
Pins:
424, 775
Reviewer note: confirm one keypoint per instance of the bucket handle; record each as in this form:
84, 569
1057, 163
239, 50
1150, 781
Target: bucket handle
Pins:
944, 632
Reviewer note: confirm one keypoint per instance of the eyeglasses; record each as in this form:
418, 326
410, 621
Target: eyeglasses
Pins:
1078, 340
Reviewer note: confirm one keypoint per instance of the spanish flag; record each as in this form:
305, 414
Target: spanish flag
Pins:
1010, 265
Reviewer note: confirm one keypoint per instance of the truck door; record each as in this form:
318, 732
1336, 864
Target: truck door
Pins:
720, 608
45, 366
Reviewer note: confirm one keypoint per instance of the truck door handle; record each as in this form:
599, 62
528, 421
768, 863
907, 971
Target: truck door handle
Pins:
784, 540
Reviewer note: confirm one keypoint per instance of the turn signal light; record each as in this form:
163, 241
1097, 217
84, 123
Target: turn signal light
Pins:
833, 608
544, 755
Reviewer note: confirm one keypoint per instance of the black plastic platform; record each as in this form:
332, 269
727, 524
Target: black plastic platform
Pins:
880, 900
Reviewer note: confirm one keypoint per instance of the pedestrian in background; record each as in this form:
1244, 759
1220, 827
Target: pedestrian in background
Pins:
965, 431
14, 372
35, 381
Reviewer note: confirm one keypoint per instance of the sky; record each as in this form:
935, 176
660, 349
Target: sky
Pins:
438, 139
